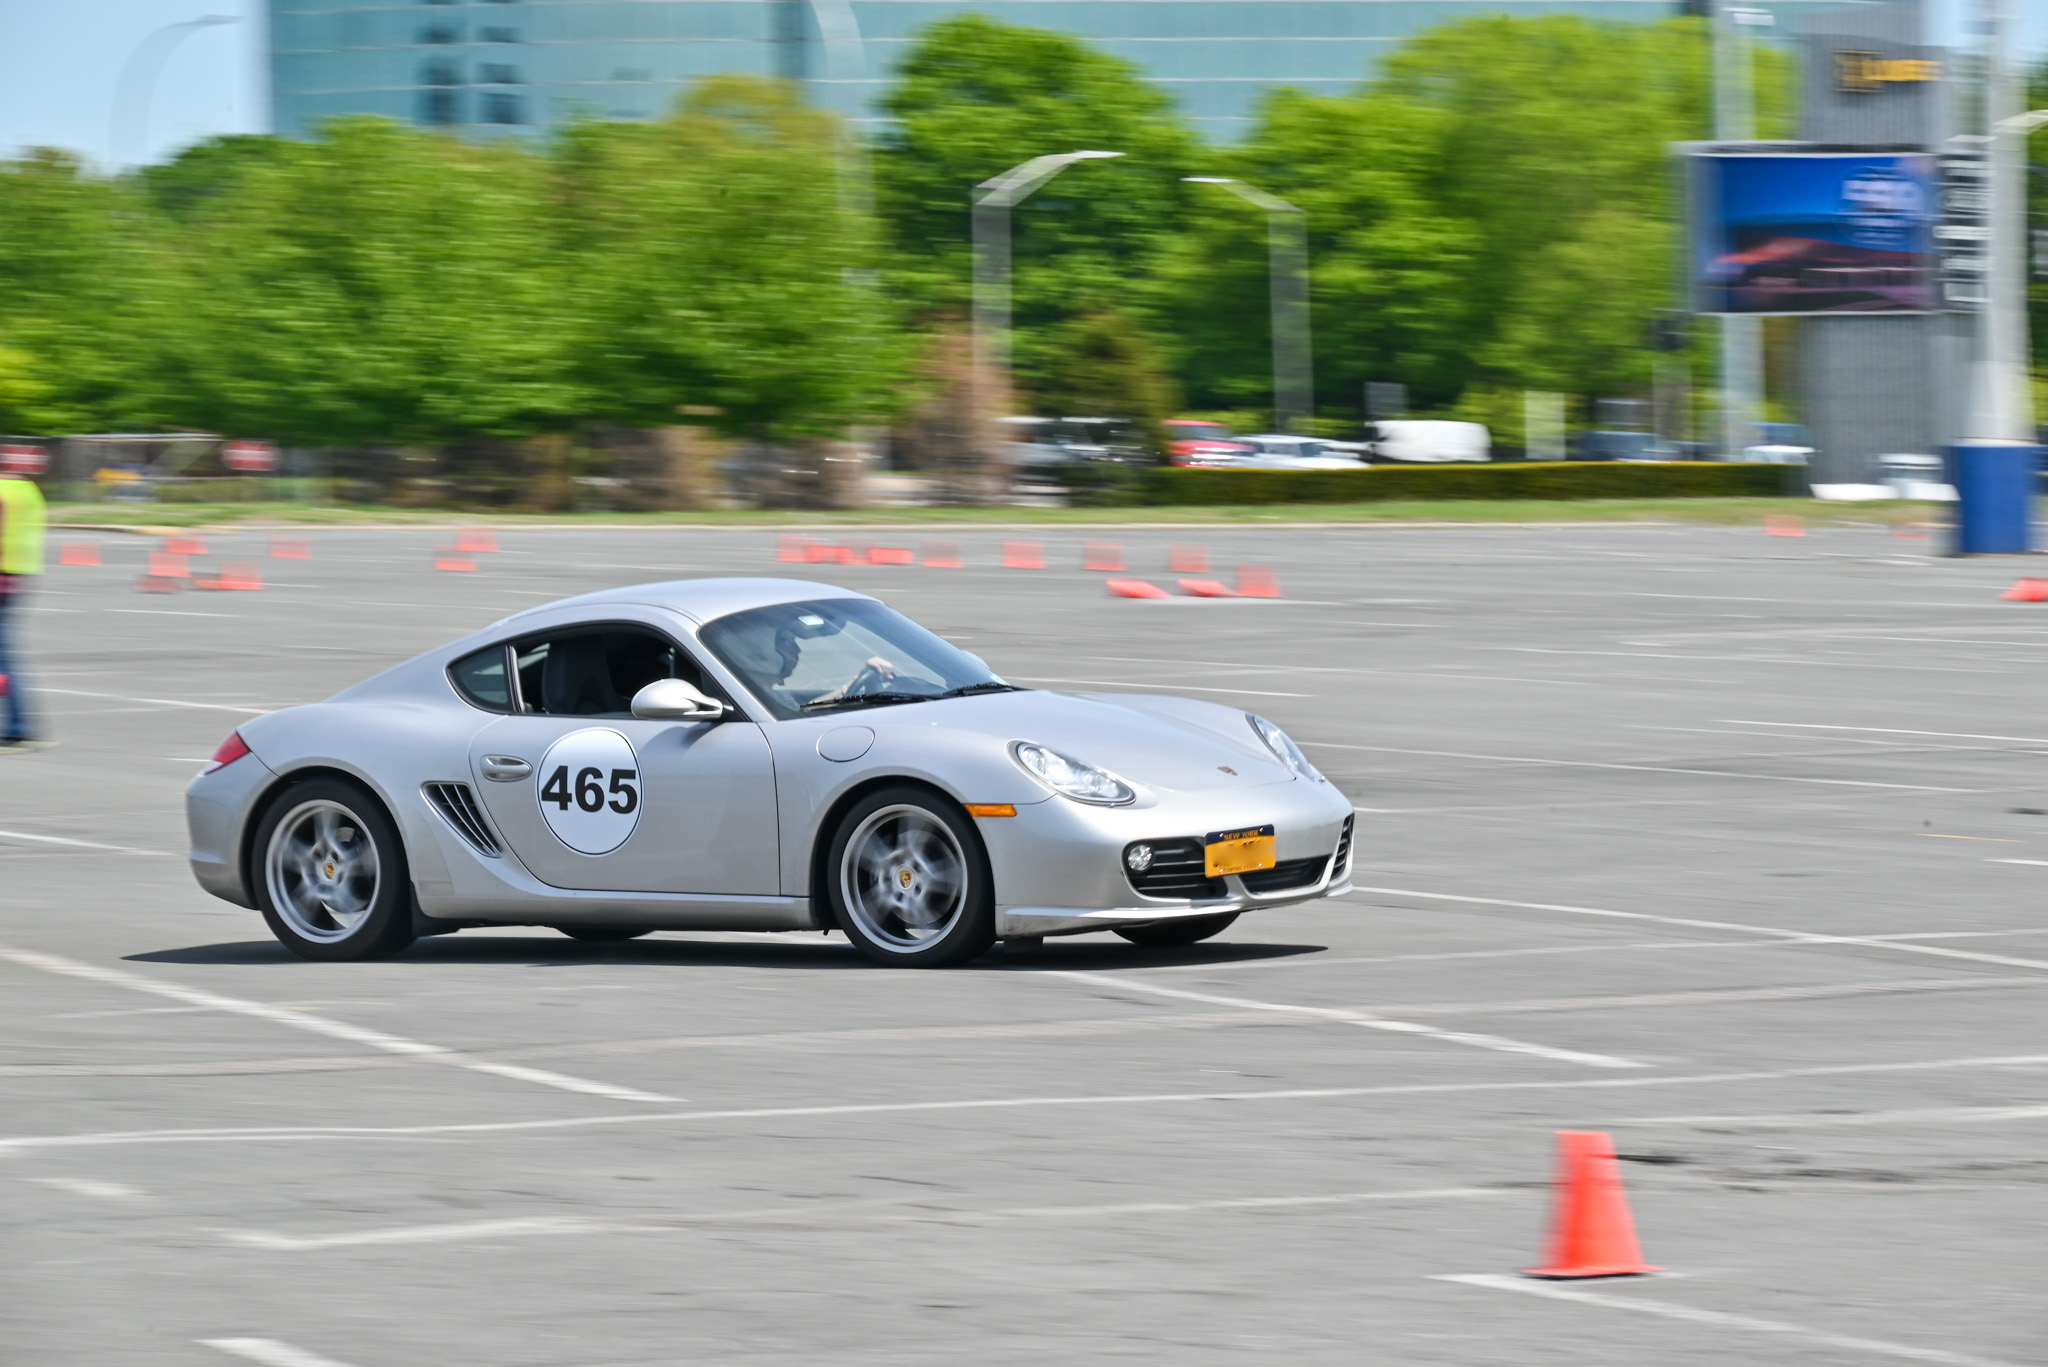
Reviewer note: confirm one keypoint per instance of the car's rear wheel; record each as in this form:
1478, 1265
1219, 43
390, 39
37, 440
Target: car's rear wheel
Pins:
604, 935
1183, 930
331, 873
909, 880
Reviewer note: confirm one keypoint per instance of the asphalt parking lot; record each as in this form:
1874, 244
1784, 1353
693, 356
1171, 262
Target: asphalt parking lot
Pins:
1734, 846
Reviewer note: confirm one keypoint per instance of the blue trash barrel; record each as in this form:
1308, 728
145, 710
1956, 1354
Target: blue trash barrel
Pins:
1994, 483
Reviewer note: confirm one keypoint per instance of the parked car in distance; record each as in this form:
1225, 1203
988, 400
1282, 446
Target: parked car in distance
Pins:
1278, 451
1064, 450
1638, 446
1430, 441
1197, 441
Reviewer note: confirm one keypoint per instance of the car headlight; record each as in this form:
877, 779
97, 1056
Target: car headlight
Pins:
1071, 778
1284, 749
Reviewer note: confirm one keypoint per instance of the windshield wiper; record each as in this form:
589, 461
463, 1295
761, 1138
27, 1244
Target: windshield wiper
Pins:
869, 700
990, 686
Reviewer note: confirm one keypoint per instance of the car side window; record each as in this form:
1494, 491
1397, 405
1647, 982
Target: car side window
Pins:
483, 680
596, 673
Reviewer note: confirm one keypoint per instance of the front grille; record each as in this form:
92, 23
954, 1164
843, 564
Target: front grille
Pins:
1288, 873
458, 807
1341, 863
1176, 872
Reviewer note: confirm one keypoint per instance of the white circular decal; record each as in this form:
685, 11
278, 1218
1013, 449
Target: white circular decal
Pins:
590, 790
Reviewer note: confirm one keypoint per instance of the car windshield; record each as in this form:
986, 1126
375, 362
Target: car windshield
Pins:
835, 654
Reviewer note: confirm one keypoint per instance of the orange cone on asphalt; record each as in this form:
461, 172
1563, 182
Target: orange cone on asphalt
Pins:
184, 545
1784, 524
474, 539
78, 553
289, 548
1102, 555
943, 555
1188, 560
168, 565
1023, 555
890, 555
1134, 588
2027, 591
234, 577
1591, 1234
1207, 588
446, 558
792, 550
1257, 581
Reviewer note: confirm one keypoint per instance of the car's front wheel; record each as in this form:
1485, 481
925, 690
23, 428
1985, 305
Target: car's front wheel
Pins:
331, 874
909, 880
1182, 930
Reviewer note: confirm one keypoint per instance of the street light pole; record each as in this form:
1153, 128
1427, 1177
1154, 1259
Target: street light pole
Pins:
1287, 288
137, 86
1742, 339
2003, 407
992, 208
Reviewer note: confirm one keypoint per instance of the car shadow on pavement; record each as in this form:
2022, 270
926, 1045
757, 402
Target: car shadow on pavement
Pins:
544, 949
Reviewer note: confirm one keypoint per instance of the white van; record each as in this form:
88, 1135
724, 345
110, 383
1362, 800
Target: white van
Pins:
1430, 441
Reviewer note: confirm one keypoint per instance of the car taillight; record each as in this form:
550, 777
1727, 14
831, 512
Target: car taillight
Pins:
231, 749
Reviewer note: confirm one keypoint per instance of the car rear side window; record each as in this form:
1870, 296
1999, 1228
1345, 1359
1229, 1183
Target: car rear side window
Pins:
483, 680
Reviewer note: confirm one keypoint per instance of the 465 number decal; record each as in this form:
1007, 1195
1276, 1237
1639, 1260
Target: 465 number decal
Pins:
590, 790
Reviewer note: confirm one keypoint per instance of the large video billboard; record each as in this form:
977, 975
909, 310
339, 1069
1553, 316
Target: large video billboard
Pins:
1814, 233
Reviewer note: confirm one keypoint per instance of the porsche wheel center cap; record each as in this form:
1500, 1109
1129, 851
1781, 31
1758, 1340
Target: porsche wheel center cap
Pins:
903, 877
328, 869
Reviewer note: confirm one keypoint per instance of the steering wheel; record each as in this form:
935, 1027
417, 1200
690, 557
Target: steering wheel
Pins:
869, 680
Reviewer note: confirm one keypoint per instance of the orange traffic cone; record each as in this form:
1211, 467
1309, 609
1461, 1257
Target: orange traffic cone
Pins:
1257, 581
2027, 591
1134, 588
184, 545
447, 558
1188, 560
1784, 524
233, 577
792, 550
167, 565
1102, 555
1207, 588
1591, 1234
473, 539
78, 553
890, 555
943, 555
1023, 555
289, 548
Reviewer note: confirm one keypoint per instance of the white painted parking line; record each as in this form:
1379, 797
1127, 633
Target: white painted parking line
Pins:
1364, 1019
162, 702
1768, 932
2037, 863
1924, 1115
270, 1353
862, 1212
1673, 1310
35, 839
352, 1133
1639, 768
1885, 731
319, 1025
90, 1186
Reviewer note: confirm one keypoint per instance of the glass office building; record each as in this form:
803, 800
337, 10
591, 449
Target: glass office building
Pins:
517, 67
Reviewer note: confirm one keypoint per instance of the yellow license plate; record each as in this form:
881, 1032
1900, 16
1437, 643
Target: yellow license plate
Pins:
1245, 851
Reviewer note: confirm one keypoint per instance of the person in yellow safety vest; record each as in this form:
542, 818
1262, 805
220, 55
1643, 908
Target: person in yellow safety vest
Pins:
21, 555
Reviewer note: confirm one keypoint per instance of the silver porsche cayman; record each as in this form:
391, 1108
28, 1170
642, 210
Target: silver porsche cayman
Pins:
753, 754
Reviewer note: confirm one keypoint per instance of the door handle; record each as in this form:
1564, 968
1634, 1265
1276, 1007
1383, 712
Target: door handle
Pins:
506, 768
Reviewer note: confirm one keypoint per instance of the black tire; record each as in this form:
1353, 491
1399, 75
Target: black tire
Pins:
329, 872
1183, 930
907, 878
604, 935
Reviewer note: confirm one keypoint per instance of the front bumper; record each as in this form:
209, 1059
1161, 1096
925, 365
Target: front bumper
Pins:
1058, 865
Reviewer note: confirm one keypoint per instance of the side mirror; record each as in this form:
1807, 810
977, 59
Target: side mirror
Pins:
674, 700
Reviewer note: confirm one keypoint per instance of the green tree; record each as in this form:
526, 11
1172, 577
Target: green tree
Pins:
976, 97
717, 260
1102, 365
375, 285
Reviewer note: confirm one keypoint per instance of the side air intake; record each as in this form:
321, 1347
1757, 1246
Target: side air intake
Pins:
458, 807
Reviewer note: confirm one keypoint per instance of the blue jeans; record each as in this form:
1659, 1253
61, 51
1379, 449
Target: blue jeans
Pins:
17, 727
